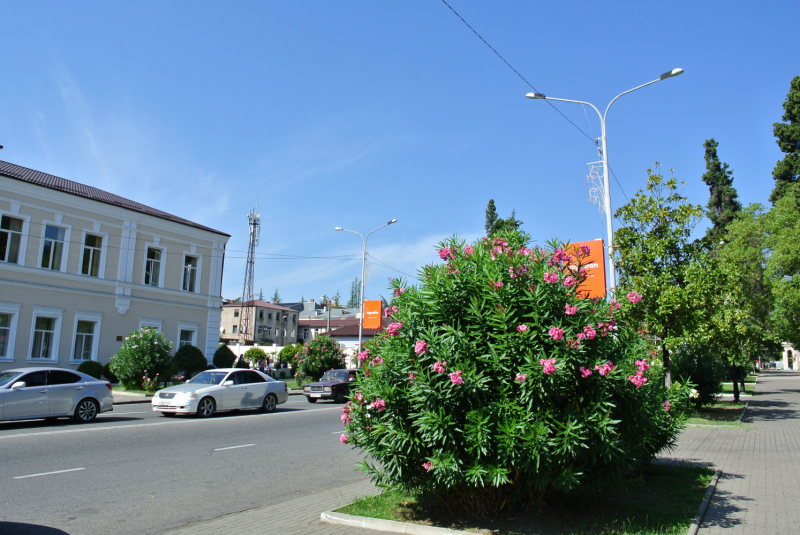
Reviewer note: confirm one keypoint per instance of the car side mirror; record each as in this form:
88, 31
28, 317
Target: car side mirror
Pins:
188, 380
227, 383
18, 385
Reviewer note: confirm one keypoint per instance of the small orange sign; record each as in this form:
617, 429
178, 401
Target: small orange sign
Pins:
372, 315
594, 265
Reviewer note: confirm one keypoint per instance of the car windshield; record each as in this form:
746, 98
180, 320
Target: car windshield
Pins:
209, 378
7, 377
335, 375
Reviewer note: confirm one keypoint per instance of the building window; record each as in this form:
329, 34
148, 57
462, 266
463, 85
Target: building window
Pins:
189, 273
261, 315
305, 334
269, 316
235, 328
44, 338
236, 313
53, 247
92, 250
186, 338
269, 331
10, 237
84, 340
152, 269
5, 334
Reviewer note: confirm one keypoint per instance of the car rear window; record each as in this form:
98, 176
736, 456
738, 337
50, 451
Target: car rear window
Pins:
59, 377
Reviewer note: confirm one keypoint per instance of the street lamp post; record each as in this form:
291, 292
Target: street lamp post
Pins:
606, 189
363, 266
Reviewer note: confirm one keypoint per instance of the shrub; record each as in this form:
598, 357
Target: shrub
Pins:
108, 374
318, 356
190, 360
242, 364
224, 357
255, 355
700, 366
495, 383
90, 367
143, 357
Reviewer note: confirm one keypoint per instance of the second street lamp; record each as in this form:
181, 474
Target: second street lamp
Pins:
606, 190
363, 266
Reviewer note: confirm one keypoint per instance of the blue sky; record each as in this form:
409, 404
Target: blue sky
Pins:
353, 113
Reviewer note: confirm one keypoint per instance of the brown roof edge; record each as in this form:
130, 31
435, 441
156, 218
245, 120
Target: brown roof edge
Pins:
45, 180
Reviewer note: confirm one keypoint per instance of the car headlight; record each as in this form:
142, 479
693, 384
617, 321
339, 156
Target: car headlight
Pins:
327, 389
306, 389
187, 395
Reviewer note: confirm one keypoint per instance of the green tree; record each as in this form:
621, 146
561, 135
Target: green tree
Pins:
654, 253
261, 294
722, 203
355, 290
190, 360
491, 216
276, 298
224, 357
318, 356
787, 171
255, 355
512, 224
143, 359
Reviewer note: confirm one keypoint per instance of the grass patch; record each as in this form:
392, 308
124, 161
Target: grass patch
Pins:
722, 413
728, 389
663, 502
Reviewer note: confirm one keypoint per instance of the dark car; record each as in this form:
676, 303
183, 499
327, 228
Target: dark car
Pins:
335, 385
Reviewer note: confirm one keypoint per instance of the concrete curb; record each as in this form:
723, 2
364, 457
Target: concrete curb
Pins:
391, 526
743, 412
704, 505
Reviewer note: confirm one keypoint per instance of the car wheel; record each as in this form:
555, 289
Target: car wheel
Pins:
312, 400
339, 397
206, 407
168, 414
270, 402
86, 411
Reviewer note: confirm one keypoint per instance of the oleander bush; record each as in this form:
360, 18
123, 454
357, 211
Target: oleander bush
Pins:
495, 383
90, 367
700, 365
318, 356
224, 357
190, 360
143, 360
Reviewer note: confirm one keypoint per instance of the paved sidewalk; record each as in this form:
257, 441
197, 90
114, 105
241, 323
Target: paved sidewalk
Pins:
298, 516
759, 491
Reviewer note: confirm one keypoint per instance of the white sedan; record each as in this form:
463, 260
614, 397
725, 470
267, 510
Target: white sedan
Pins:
221, 389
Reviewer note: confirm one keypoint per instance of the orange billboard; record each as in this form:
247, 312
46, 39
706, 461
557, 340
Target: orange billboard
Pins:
372, 315
594, 265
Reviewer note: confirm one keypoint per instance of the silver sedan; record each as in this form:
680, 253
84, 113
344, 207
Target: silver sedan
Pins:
29, 393
221, 389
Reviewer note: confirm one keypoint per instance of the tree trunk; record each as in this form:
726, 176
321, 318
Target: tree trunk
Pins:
735, 379
667, 368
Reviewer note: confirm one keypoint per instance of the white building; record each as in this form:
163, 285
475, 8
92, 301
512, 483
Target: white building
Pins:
80, 268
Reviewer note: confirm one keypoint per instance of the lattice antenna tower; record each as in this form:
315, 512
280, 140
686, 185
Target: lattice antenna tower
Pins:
247, 319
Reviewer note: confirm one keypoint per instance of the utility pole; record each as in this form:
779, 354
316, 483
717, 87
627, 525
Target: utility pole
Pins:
246, 323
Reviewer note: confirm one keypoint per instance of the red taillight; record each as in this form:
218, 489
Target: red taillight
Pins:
285, 387
108, 385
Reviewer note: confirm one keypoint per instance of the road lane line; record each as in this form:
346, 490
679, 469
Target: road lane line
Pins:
233, 447
50, 473
172, 422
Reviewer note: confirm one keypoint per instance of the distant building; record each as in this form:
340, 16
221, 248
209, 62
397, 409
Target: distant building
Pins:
80, 268
270, 323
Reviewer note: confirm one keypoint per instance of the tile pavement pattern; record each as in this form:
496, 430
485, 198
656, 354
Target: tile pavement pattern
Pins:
759, 491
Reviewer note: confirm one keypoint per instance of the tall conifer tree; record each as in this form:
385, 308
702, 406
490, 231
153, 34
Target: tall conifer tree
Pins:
491, 216
787, 171
723, 199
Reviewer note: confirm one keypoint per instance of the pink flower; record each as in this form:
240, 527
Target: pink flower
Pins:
585, 372
378, 404
411, 376
398, 291
377, 360
570, 310
569, 281
522, 328
360, 398
439, 366
550, 277
666, 406
614, 305
637, 379
556, 333
589, 332
468, 250
585, 250
549, 366
427, 466
643, 365
511, 272
344, 439
498, 284
635, 298
363, 355
445, 253
521, 377
420, 347
455, 378
605, 369
394, 329
388, 311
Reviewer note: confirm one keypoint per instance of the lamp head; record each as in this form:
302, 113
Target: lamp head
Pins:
337, 229
535, 96
392, 221
671, 74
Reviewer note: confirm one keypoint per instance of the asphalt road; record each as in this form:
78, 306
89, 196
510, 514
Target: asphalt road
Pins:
133, 471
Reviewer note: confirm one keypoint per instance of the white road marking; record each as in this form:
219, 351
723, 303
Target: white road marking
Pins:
172, 422
50, 473
234, 447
